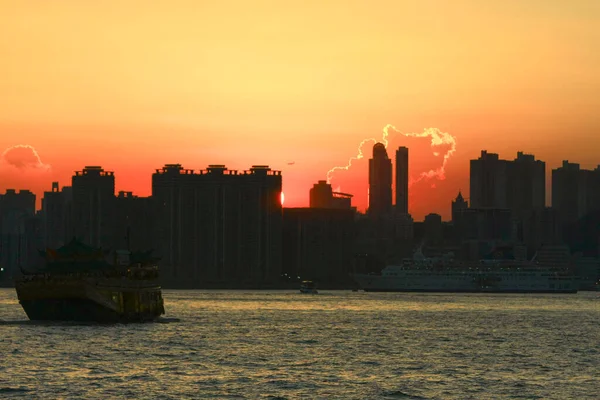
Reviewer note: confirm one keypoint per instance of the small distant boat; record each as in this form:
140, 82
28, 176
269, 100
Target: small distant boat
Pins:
308, 287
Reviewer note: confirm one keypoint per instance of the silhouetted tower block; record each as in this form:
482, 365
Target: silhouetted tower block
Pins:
134, 222
16, 209
94, 206
488, 176
262, 221
538, 227
341, 201
402, 180
176, 222
433, 229
575, 191
517, 185
526, 183
218, 226
321, 195
568, 193
318, 245
458, 206
56, 216
380, 182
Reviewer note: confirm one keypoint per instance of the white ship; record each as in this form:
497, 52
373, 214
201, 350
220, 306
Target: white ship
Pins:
444, 274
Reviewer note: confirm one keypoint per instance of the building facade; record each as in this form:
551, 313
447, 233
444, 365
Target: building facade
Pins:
93, 191
380, 182
402, 180
575, 191
218, 227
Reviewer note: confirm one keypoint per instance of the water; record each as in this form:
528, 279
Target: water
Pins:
341, 345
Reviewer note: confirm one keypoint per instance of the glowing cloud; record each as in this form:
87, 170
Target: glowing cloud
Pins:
438, 138
23, 156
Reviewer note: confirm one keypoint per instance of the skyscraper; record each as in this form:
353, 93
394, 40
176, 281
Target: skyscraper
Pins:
380, 182
322, 196
16, 209
575, 191
526, 183
402, 180
488, 177
218, 226
56, 216
94, 206
518, 185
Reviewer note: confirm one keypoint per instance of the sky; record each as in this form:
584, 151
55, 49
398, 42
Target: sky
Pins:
132, 85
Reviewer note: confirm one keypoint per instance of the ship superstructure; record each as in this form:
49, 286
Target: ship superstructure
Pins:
77, 283
445, 274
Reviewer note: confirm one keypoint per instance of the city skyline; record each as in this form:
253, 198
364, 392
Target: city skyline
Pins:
445, 210
172, 85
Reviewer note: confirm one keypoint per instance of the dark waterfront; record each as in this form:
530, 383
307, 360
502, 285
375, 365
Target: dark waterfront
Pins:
284, 345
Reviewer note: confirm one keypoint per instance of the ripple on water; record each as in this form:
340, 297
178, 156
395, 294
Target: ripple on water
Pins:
282, 345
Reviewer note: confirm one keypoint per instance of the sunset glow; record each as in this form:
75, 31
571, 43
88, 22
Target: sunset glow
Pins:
134, 85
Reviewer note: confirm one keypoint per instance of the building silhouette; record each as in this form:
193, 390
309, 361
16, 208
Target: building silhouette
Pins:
17, 209
134, 222
518, 185
318, 245
322, 196
433, 229
526, 185
173, 194
218, 227
402, 180
94, 206
488, 177
56, 216
458, 206
380, 182
575, 191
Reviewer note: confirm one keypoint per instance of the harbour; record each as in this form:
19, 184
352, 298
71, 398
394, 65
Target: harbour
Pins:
337, 344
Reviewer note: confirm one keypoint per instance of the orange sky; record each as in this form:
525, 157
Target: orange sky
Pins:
131, 85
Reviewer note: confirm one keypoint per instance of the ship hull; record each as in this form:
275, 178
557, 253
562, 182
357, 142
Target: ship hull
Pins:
78, 310
441, 284
85, 301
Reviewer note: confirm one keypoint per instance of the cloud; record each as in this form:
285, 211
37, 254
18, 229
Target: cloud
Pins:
21, 167
438, 140
23, 157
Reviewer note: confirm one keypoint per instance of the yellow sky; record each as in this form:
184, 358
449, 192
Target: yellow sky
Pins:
243, 82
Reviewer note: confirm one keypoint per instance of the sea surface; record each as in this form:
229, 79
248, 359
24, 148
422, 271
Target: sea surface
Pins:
334, 345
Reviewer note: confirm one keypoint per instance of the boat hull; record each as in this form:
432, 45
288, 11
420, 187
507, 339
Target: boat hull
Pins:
442, 284
80, 310
84, 301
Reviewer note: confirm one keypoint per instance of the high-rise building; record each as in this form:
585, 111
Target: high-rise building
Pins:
134, 222
320, 195
488, 181
380, 182
575, 192
517, 185
458, 206
218, 227
94, 206
56, 216
318, 245
16, 209
526, 183
402, 180
176, 225
323, 196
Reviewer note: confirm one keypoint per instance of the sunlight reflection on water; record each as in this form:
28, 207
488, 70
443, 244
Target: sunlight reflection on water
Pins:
238, 344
